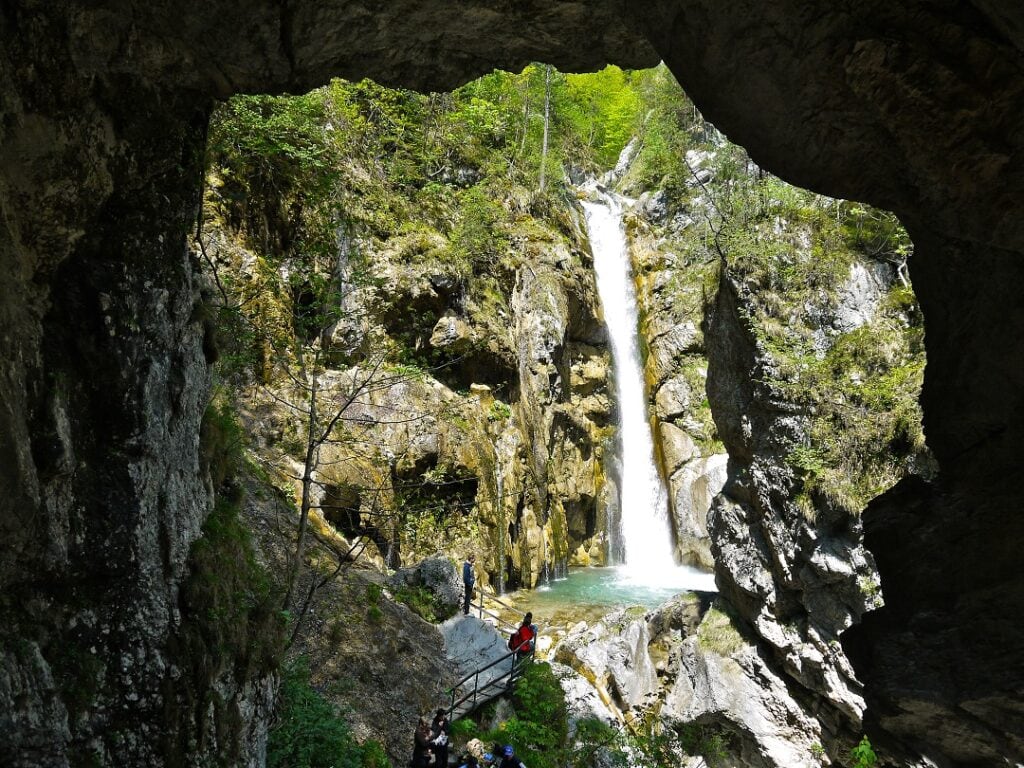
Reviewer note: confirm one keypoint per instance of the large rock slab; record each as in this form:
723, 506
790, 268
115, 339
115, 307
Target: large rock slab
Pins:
613, 655
693, 488
440, 576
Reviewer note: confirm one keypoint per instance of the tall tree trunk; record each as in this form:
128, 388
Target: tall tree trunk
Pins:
308, 468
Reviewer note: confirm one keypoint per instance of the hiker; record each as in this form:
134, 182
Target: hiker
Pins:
523, 638
421, 745
468, 580
510, 760
440, 737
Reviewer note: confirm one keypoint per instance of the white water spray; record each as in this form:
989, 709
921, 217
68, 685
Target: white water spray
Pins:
645, 526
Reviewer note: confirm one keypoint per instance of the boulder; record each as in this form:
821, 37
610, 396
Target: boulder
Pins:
673, 398
582, 700
453, 334
439, 576
676, 446
613, 656
470, 643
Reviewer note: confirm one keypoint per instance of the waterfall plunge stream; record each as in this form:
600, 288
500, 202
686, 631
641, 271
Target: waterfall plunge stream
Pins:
645, 528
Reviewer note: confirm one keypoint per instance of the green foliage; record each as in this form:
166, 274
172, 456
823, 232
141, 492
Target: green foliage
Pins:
221, 443
670, 125
477, 241
464, 729
791, 252
437, 503
310, 732
863, 756
447, 182
229, 593
601, 111
706, 741
373, 610
499, 411
539, 728
661, 745
541, 717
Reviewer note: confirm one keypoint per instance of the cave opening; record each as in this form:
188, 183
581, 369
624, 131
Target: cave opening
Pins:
916, 108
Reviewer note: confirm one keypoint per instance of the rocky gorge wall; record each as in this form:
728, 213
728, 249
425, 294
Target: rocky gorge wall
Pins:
890, 72
913, 106
499, 448
766, 313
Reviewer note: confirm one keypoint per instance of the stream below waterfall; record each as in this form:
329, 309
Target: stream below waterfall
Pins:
589, 594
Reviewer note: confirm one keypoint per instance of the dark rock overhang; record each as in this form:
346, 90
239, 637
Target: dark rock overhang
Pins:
914, 106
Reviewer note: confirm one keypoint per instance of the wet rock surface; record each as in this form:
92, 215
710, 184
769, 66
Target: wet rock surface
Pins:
691, 663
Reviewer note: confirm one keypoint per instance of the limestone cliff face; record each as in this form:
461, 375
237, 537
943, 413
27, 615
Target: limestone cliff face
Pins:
496, 445
563, 408
735, 334
799, 581
105, 385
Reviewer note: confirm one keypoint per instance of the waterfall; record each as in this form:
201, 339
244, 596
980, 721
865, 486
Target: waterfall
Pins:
645, 527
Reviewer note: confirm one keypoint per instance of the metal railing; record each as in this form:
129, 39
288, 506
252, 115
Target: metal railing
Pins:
482, 611
492, 686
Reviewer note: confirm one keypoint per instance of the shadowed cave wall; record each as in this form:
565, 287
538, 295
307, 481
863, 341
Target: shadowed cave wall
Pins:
916, 106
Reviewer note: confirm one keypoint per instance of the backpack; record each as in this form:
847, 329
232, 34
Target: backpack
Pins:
520, 640
526, 638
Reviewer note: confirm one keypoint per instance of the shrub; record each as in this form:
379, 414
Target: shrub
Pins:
221, 442
309, 732
863, 756
499, 411
423, 603
539, 730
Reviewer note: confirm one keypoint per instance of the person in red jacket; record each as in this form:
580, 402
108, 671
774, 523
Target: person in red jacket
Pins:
522, 639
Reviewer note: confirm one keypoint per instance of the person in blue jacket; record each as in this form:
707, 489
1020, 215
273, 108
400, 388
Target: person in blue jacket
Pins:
509, 759
468, 581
